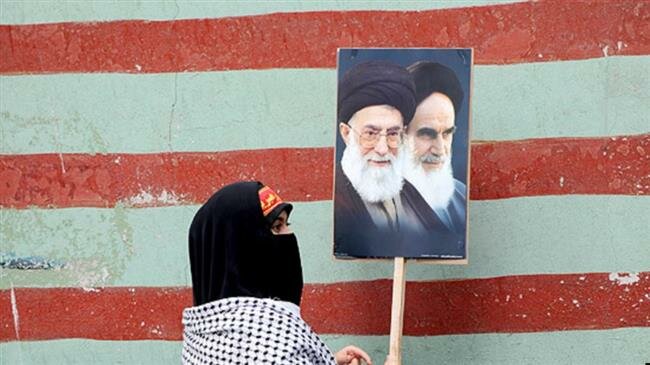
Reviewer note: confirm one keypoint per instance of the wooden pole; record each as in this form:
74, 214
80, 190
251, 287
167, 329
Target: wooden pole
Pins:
397, 311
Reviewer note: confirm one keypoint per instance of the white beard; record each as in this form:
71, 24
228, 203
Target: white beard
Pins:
374, 184
436, 187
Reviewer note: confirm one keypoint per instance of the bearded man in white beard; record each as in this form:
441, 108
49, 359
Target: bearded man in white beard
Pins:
429, 140
375, 170
374, 206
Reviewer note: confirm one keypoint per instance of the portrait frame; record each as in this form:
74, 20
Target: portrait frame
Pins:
385, 245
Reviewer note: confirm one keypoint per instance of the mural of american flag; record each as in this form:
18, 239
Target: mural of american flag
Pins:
119, 119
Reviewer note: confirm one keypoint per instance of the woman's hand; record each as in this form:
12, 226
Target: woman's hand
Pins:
351, 355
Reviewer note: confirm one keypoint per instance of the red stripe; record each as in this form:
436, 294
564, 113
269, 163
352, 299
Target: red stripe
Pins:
618, 165
560, 166
512, 33
177, 178
535, 303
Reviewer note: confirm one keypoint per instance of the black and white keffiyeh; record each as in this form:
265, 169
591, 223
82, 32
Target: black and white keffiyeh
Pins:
245, 330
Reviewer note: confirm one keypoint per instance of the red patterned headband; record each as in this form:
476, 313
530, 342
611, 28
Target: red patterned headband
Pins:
269, 200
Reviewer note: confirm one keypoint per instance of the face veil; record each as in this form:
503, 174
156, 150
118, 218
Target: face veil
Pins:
234, 254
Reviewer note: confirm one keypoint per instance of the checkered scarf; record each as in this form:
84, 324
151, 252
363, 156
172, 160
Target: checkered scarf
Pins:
244, 330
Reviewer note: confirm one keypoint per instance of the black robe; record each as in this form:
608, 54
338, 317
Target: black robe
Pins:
356, 235
456, 209
453, 233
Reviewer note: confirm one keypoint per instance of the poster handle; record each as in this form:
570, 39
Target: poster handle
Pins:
397, 312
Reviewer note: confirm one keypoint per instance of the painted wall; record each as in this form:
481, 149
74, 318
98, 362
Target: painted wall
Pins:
117, 120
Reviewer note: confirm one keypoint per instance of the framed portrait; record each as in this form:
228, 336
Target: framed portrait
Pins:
402, 153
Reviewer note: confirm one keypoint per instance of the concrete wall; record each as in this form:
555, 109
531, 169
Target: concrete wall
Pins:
117, 120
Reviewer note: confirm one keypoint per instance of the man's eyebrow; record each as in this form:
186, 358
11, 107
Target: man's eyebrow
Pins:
433, 132
371, 126
428, 131
376, 128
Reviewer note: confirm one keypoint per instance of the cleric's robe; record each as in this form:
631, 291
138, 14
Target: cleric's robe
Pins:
420, 234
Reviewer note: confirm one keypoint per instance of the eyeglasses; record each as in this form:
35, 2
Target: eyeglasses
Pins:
370, 137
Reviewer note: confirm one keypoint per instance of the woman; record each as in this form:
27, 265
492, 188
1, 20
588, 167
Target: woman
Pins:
247, 284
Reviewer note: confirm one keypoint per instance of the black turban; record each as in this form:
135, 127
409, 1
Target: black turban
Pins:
376, 83
431, 77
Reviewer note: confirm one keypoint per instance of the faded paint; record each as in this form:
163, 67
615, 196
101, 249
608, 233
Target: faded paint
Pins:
621, 346
207, 120
44, 129
14, 313
11, 261
154, 249
624, 278
33, 11
499, 170
84, 250
146, 199
432, 308
210, 111
172, 46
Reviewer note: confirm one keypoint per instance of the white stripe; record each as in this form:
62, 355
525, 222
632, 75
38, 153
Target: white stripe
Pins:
231, 110
537, 235
49, 11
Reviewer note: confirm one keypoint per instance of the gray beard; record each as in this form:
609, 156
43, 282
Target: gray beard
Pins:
436, 187
374, 184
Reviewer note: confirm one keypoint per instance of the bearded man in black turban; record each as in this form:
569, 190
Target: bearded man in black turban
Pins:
374, 209
429, 138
